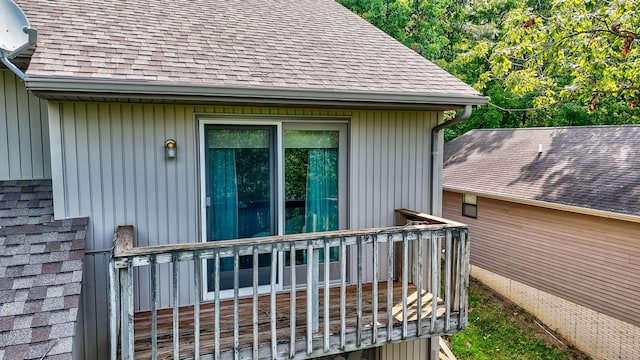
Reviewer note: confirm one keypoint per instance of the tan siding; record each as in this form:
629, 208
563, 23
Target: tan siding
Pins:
24, 134
588, 260
109, 165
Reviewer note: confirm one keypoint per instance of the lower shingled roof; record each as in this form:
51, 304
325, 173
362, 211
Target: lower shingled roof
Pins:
41, 262
589, 167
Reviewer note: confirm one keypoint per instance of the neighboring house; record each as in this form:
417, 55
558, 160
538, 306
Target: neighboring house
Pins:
201, 121
555, 218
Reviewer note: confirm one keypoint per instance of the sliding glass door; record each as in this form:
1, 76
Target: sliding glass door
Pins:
271, 179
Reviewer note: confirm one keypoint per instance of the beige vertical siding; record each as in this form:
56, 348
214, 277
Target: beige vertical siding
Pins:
108, 164
24, 133
588, 260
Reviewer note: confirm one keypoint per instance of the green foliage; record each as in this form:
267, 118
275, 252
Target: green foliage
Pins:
579, 51
541, 62
417, 24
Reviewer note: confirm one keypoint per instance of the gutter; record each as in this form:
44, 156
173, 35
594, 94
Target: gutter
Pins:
49, 87
435, 132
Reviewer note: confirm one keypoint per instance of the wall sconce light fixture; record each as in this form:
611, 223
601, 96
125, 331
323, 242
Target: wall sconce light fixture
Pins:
170, 149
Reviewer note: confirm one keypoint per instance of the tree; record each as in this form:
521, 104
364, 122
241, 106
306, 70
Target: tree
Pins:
580, 51
541, 62
419, 24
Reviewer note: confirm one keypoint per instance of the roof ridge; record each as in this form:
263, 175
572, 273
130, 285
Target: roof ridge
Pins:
555, 127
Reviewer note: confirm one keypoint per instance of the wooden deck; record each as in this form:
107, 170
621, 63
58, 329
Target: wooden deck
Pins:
186, 338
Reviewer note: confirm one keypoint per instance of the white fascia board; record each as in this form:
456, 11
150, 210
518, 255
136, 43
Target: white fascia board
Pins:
53, 87
548, 205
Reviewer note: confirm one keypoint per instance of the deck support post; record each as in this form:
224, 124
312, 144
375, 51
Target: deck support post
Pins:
434, 348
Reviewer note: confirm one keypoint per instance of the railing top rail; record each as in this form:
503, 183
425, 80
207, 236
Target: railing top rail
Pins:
403, 216
123, 239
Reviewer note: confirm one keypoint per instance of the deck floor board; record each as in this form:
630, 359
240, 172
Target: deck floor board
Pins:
142, 322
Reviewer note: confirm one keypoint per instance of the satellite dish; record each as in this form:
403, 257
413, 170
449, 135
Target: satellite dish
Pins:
15, 34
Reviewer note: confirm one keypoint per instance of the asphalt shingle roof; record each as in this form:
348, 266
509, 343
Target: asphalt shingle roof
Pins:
594, 167
306, 44
40, 273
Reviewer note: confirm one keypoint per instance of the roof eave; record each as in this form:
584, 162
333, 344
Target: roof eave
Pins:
546, 204
65, 88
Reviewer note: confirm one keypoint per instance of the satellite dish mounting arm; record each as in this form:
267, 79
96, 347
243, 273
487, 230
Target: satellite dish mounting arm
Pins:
30, 44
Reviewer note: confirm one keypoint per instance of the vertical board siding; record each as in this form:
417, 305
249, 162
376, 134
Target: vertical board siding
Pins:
24, 133
588, 260
109, 165
389, 164
390, 168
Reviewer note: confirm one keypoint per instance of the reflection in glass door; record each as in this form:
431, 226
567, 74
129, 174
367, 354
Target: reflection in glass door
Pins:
311, 184
312, 197
239, 182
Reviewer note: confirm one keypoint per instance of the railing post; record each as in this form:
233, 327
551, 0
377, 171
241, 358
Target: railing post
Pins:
327, 277
419, 285
311, 296
461, 277
447, 281
197, 267
154, 308
272, 299
113, 308
390, 264
254, 322
216, 305
315, 285
126, 312
405, 283
464, 236
236, 296
359, 276
121, 286
374, 291
435, 284
343, 293
292, 310
175, 266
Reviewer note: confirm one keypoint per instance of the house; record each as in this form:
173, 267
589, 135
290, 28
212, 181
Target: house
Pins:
213, 140
555, 218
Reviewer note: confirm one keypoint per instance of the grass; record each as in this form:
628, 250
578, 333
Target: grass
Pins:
499, 329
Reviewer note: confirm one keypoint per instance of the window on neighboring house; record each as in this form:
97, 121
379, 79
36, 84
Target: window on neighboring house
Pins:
470, 205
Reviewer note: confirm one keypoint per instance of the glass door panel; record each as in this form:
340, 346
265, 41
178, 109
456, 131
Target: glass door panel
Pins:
240, 177
311, 161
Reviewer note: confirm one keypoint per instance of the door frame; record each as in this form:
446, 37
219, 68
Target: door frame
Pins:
280, 123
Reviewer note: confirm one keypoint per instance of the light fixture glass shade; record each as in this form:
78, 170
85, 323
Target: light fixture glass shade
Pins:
170, 149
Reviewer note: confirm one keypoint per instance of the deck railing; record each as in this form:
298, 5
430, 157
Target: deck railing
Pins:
394, 284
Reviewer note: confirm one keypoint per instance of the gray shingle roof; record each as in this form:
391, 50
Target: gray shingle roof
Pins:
594, 167
306, 44
40, 273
